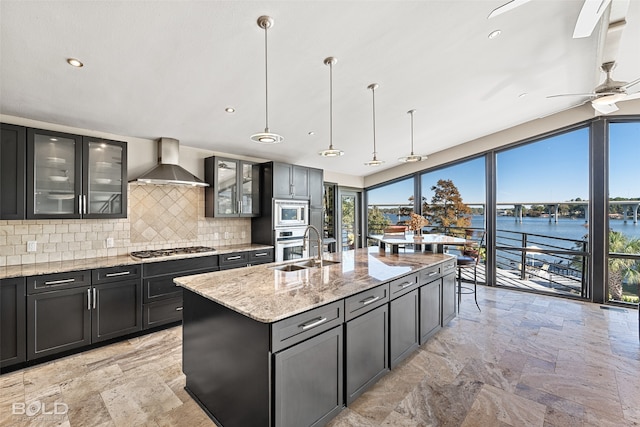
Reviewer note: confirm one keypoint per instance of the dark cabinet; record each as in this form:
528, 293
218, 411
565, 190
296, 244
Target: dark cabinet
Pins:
117, 310
290, 181
308, 381
234, 187
448, 297
366, 349
13, 149
245, 259
316, 188
71, 176
13, 314
404, 335
430, 309
162, 298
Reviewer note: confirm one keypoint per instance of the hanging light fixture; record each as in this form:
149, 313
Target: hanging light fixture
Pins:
412, 157
266, 137
330, 152
374, 161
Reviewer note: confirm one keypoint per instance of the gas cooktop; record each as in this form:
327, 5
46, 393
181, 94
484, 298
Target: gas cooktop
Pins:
155, 253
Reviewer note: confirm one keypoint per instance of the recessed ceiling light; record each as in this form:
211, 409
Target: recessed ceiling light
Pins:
74, 62
53, 139
311, 132
494, 34
230, 110
522, 95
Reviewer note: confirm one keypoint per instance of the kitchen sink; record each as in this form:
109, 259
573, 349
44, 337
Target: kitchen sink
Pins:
310, 263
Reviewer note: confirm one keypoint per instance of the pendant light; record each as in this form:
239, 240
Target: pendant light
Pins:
374, 161
266, 137
412, 157
330, 152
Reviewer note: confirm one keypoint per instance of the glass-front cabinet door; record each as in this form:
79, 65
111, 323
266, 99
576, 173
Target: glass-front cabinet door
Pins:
54, 175
104, 189
249, 185
227, 188
70, 176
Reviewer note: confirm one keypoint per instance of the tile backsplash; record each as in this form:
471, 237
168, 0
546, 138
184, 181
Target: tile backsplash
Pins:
158, 217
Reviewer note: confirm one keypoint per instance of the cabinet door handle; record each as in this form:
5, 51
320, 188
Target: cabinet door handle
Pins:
79, 203
59, 282
370, 300
84, 203
261, 254
179, 308
292, 189
405, 285
89, 299
433, 273
231, 258
239, 206
120, 273
94, 297
313, 323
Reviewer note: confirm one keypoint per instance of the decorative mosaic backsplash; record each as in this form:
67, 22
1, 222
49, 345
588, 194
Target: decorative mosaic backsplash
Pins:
158, 217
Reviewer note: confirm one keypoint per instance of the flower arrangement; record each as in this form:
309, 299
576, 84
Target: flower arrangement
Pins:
417, 222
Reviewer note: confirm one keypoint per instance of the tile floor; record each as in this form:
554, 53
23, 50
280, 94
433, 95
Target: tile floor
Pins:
526, 360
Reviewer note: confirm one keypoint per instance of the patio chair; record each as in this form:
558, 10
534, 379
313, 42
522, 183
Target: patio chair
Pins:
469, 258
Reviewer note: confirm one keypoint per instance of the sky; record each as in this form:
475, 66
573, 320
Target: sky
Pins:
553, 169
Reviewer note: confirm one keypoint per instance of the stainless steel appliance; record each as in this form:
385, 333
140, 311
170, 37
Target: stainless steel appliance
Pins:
290, 213
155, 253
290, 244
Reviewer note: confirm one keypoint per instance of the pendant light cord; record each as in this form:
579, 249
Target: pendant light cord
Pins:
411, 112
330, 105
266, 82
373, 92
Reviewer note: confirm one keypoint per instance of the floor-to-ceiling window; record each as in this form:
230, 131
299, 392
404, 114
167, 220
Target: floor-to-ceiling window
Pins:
542, 189
624, 212
389, 204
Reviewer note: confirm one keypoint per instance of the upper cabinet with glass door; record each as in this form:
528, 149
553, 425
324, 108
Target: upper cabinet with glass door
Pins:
70, 176
233, 188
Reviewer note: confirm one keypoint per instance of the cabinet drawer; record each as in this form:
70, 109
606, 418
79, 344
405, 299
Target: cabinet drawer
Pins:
234, 258
115, 274
448, 267
161, 312
298, 328
262, 256
55, 281
403, 285
178, 266
158, 288
365, 301
429, 274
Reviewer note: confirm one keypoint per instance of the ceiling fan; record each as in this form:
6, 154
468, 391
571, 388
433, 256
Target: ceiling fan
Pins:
605, 95
589, 15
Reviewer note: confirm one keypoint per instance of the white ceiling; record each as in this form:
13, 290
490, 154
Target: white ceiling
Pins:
169, 68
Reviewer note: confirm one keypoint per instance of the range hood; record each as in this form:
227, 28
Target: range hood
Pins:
168, 171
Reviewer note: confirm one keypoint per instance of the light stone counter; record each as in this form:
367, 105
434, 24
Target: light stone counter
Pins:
113, 261
268, 295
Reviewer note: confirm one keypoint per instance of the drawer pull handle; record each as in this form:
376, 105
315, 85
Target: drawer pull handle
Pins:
261, 254
433, 273
405, 285
370, 300
59, 282
448, 267
233, 257
179, 308
313, 323
120, 273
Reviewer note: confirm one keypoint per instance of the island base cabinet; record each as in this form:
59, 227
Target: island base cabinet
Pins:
404, 335
448, 298
308, 381
430, 310
366, 351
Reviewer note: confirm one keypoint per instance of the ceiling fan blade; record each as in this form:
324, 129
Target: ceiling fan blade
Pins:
634, 82
604, 108
506, 7
632, 96
589, 16
572, 94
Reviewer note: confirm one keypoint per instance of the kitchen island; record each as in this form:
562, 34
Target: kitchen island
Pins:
272, 345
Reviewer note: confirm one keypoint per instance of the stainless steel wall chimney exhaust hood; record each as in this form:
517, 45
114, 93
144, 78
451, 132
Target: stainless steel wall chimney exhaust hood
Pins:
168, 172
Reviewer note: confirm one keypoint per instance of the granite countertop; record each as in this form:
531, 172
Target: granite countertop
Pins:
268, 295
111, 261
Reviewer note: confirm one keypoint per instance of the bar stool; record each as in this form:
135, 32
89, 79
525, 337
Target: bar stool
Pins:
468, 259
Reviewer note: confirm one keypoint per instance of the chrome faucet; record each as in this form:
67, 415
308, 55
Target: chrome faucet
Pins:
304, 240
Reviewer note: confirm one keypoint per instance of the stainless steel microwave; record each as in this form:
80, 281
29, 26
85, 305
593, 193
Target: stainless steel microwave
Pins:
290, 213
